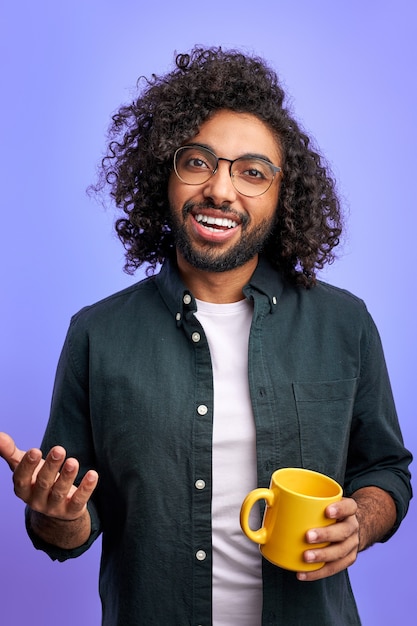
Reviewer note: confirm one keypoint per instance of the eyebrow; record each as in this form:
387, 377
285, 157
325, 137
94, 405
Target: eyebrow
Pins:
247, 155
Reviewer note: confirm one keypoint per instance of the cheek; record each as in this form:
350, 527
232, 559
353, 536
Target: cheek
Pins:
273, 200
178, 193
266, 206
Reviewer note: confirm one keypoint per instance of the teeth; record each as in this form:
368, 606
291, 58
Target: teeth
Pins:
215, 221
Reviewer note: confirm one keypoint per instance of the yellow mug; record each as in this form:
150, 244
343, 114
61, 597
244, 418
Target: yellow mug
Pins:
296, 502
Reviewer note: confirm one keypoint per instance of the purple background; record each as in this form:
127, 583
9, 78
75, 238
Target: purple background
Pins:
350, 69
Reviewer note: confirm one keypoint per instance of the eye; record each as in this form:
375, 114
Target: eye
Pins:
196, 162
253, 173
252, 170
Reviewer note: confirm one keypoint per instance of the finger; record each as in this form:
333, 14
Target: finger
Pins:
63, 487
46, 476
334, 533
8, 450
25, 472
343, 508
82, 494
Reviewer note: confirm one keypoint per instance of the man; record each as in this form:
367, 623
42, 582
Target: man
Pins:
177, 396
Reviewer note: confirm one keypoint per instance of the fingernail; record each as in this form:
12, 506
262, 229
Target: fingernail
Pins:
301, 576
70, 466
312, 536
56, 456
332, 511
91, 478
309, 556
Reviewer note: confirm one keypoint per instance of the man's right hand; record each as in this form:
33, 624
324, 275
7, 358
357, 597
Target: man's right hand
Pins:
47, 485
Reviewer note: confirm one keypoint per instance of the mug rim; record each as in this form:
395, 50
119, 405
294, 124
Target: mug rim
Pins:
302, 470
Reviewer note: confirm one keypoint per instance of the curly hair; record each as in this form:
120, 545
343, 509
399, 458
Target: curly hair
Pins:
170, 109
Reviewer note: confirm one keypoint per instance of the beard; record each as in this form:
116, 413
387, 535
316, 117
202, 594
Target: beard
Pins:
207, 257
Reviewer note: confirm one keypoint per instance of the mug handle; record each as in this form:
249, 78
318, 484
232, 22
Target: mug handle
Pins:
260, 535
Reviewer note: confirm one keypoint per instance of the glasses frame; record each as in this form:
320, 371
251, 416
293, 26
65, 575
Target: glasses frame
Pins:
274, 168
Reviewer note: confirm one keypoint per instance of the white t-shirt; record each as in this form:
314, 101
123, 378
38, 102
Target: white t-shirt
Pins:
237, 575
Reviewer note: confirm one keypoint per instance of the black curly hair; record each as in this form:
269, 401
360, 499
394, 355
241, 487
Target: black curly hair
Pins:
168, 112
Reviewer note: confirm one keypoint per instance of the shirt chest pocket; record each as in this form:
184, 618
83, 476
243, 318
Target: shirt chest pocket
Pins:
324, 412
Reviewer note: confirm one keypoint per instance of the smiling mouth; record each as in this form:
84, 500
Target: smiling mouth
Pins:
214, 224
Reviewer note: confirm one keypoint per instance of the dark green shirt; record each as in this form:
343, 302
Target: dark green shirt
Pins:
133, 399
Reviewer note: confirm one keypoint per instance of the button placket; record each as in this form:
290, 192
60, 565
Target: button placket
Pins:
201, 458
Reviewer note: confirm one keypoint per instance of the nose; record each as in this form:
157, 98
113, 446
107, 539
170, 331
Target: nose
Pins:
219, 187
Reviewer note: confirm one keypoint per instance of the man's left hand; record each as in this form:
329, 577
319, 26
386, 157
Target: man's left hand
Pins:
343, 538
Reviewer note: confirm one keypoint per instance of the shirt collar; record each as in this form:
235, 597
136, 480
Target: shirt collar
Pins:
265, 282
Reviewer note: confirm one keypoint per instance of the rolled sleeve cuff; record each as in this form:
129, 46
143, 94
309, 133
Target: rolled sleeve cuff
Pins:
61, 554
398, 488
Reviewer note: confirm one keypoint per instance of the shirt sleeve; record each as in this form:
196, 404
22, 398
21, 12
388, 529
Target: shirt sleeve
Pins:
377, 456
69, 426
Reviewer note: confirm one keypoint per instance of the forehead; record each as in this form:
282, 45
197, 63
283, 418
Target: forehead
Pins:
232, 134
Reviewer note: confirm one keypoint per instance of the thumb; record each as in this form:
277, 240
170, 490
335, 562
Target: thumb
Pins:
10, 453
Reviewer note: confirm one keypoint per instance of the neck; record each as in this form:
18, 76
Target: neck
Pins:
216, 287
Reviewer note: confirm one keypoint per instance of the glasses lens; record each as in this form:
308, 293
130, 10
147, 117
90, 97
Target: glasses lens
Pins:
194, 165
252, 176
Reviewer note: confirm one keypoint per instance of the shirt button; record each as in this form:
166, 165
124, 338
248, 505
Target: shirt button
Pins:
202, 409
200, 483
187, 298
196, 337
178, 317
200, 555
274, 300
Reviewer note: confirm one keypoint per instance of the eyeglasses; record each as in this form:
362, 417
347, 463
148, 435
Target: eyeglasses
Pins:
251, 175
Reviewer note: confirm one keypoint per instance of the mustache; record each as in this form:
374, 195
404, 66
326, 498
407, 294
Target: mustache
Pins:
194, 207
